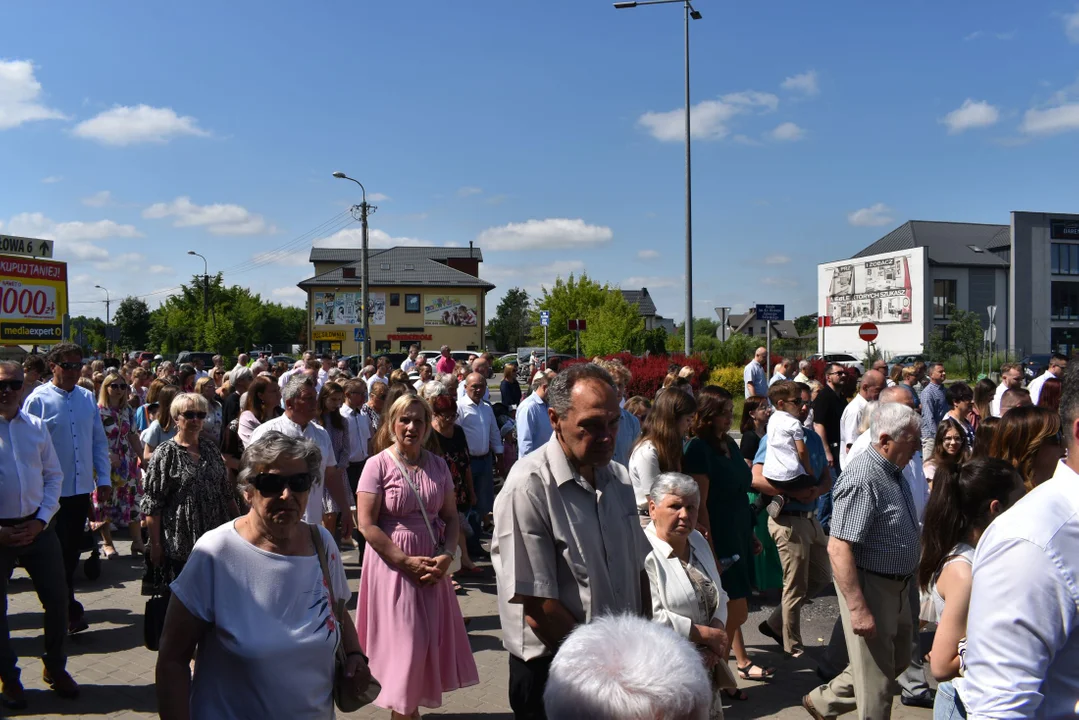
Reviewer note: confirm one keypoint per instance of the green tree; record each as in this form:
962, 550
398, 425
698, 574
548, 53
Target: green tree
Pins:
806, 324
968, 336
512, 323
614, 327
93, 333
132, 319
566, 300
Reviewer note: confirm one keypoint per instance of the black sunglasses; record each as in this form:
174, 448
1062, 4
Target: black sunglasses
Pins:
6, 385
273, 484
194, 415
117, 386
69, 365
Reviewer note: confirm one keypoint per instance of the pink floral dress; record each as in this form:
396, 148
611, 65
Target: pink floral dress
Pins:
122, 507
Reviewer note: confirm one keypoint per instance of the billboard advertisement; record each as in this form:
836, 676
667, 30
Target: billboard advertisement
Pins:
33, 300
345, 308
324, 308
877, 290
458, 310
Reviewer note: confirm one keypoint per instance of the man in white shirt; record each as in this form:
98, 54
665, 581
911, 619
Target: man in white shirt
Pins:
410, 362
360, 434
324, 370
1011, 378
755, 380
478, 421
872, 384
301, 407
382, 371
782, 371
1057, 365
482, 366
30, 483
1022, 657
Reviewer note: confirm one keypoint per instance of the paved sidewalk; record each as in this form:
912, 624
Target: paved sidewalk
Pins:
117, 673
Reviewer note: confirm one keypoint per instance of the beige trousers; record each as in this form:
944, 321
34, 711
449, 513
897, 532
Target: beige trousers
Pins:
867, 684
803, 552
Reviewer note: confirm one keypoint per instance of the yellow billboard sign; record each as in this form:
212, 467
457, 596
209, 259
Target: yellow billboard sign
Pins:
33, 300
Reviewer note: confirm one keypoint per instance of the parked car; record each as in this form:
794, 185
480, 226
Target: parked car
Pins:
841, 358
189, 356
287, 359
1034, 365
140, 355
395, 358
904, 361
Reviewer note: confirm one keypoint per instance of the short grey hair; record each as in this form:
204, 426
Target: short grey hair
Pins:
895, 421
802, 365
623, 667
275, 446
432, 389
558, 396
673, 483
539, 381
295, 386
239, 374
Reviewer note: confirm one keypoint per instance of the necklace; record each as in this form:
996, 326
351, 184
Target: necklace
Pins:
405, 459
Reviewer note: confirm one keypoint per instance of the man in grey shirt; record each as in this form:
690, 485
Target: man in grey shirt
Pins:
567, 546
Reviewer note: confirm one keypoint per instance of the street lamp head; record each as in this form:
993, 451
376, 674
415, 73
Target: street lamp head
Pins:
624, 5
340, 175
694, 14
192, 252
99, 287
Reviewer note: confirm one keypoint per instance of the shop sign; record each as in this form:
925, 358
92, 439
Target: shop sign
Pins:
332, 335
410, 337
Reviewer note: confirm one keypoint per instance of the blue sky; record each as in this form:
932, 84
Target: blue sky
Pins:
549, 133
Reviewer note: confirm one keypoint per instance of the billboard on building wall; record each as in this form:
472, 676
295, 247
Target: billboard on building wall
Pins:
877, 290
345, 308
33, 300
324, 308
459, 310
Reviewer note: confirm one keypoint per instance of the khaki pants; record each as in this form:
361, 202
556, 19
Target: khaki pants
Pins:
803, 551
867, 684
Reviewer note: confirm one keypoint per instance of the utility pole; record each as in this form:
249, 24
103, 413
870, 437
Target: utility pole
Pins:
108, 323
360, 212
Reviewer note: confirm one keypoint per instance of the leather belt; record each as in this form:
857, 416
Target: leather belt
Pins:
5, 522
890, 576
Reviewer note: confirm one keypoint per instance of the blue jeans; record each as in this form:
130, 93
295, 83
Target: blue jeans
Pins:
948, 705
483, 480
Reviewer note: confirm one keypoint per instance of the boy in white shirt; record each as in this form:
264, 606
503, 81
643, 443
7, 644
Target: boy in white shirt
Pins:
787, 464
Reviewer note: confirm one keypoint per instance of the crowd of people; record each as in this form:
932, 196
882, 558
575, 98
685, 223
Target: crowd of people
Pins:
626, 540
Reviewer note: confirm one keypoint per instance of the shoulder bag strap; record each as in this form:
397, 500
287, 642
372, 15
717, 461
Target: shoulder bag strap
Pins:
416, 492
320, 550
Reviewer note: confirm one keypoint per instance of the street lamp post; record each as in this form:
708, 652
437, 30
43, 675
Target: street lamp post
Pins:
364, 210
205, 284
690, 13
108, 321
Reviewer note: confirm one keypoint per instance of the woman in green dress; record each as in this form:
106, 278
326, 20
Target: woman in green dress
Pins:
767, 568
713, 459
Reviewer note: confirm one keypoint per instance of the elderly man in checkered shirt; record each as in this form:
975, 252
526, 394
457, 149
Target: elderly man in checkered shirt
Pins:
874, 548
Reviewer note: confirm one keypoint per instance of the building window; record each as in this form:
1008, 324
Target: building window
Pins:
1064, 259
412, 303
395, 299
1065, 301
943, 299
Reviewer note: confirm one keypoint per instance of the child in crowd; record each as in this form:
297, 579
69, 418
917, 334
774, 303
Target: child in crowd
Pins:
787, 463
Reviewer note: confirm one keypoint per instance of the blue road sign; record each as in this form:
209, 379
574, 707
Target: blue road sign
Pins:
357, 334
770, 312
545, 318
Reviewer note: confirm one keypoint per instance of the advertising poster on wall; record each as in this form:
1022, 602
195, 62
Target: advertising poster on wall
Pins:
33, 300
344, 308
378, 308
457, 310
324, 308
877, 291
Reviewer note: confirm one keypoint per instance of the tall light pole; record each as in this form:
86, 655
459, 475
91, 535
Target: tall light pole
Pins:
205, 284
108, 320
363, 209
690, 13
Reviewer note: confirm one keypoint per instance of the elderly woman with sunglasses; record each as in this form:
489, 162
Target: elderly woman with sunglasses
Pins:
117, 417
187, 491
263, 600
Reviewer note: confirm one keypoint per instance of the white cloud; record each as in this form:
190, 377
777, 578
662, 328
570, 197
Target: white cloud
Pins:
787, 132
648, 254
971, 114
159, 270
776, 259
290, 294
1071, 26
779, 282
872, 216
352, 237
708, 119
974, 35
19, 94
805, 83
38, 226
375, 197
98, 199
468, 191
652, 282
1051, 120
219, 219
127, 125
52, 179
548, 234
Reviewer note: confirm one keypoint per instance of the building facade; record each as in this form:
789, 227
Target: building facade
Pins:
426, 296
1022, 279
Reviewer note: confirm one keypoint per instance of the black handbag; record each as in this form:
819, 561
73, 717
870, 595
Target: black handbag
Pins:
153, 617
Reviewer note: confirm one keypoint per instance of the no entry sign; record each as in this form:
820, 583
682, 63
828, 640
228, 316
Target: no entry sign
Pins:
867, 331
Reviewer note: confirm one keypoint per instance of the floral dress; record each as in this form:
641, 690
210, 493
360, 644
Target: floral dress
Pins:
342, 450
122, 508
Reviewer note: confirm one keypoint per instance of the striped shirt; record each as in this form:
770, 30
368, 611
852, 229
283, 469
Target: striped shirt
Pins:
873, 509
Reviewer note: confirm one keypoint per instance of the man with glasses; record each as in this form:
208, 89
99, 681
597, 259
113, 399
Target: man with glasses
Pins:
1057, 365
828, 412
301, 407
1011, 378
30, 485
477, 419
70, 412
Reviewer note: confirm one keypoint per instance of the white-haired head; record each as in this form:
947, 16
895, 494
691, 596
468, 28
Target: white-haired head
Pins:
894, 420
624, 667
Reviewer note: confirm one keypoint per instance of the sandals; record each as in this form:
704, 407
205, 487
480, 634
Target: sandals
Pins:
109, 550
763, 674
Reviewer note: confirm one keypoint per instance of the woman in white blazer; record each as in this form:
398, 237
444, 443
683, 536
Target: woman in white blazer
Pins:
687, 594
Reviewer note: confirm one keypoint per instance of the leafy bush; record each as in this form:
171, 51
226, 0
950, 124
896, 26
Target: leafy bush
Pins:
729, 378
648, 373
498, 366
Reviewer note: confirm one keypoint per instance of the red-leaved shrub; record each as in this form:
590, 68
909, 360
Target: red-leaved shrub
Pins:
648, 373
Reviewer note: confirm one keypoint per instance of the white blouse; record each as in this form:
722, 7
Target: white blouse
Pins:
674, 600
643, 470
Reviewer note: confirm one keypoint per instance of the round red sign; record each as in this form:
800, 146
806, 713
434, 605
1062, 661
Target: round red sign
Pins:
867, 331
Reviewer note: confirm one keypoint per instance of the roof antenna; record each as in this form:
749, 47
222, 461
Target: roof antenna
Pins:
470, 249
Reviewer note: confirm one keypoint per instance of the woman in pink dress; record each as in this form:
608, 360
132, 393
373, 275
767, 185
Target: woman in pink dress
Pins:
407, 616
